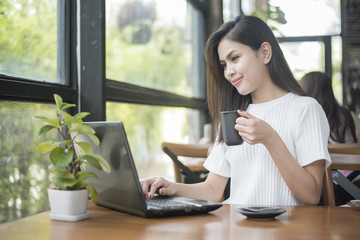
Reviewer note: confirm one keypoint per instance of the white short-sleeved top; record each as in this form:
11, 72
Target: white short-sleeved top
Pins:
301, 123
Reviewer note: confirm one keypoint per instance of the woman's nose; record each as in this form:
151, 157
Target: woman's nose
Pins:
230, 70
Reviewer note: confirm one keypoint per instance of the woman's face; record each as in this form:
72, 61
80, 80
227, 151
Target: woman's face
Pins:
243, 67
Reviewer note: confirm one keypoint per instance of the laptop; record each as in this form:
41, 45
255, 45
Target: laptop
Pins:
120, 190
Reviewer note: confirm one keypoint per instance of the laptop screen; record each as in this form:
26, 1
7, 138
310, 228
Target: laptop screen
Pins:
121, 188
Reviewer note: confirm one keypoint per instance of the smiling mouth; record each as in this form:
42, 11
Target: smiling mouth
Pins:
236, 81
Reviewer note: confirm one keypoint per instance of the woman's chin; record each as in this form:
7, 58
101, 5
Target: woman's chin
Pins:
242, 92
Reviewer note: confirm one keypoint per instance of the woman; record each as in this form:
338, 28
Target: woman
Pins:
318, 85
283, 157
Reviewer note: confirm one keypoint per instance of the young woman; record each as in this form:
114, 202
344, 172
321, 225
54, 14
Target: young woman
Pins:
318, 85
284, 153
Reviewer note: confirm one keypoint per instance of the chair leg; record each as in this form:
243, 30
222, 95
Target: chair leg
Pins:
328, 189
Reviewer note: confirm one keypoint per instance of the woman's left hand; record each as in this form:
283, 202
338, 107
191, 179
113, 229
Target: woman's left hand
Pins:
253, 130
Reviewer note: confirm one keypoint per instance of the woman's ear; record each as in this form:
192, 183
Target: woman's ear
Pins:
266, 52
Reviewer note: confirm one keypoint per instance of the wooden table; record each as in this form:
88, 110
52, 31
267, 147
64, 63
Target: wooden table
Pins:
225, 223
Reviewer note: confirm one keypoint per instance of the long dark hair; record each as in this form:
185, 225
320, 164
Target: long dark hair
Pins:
250, 31
318, 85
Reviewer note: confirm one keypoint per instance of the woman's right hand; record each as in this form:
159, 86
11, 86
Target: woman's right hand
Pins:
153, 185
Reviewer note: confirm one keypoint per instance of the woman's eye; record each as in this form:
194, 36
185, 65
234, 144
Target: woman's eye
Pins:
223, 65
234, 58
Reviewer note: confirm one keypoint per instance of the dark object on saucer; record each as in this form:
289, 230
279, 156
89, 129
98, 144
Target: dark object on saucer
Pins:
355, 204
263, 213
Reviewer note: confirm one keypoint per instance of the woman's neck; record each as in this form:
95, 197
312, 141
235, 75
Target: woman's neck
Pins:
267, 93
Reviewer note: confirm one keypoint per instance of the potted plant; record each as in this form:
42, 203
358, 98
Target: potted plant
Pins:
69, 195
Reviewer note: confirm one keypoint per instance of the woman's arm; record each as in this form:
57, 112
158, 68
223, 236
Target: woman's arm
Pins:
212, 189
304, 182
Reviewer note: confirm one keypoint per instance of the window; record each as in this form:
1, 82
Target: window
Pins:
34, 38
26, 52
151, 44
23, 170
304, 56
154, 54
148, 126
308, 32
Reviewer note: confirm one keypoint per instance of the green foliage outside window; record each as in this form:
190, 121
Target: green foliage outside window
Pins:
28, 33
161, 60
23, 170
145, 50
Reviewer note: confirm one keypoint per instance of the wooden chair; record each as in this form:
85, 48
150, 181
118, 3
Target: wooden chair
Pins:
328, 189
175, 150
344, 148
190, 173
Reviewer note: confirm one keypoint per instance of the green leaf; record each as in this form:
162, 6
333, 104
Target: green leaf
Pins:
66, 106
39, 117
87, 174
80, 184
43, 130
64, 183
79, 116
100, 160
67, 117
94, 138
45, 147
52, 121
93, 193
92, 160
62, 173
85, 129
57, 142
104, 164
60, 157
68, 143
85, 148
58, 101
75, 127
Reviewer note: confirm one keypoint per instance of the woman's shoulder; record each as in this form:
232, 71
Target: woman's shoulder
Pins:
303, 101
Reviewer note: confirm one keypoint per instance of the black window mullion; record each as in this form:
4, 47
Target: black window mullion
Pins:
125, 92
14, 89
91, 70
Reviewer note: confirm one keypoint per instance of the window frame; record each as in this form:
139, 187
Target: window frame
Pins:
325, 39
25, 89
85, 81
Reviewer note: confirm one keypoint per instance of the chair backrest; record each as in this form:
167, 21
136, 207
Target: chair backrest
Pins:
175, 150
344, 148
328, 188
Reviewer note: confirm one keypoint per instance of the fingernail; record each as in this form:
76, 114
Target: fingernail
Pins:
150, 197
240, 110
145, 195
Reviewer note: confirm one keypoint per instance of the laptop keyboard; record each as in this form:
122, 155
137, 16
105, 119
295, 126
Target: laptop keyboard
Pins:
165, 203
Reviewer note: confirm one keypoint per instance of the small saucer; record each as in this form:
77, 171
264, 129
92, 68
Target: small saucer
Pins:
261, 213
355, 204
71, 218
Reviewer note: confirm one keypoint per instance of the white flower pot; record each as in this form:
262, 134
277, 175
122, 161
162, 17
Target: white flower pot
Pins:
68, 205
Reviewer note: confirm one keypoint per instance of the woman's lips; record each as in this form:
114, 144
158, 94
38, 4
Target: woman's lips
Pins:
236, 81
